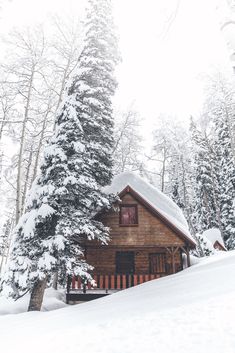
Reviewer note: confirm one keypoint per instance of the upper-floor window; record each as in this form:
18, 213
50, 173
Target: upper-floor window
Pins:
128, 215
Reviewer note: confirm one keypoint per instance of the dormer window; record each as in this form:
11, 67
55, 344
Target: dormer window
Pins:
128, 215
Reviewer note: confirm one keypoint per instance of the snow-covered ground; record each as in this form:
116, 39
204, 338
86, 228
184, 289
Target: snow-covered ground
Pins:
192, 311
52, 300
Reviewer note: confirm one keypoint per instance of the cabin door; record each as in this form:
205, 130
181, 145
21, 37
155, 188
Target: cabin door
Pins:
157, 263
125, 262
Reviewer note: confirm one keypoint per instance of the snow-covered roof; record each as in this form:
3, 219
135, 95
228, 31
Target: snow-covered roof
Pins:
154, 197
214, 235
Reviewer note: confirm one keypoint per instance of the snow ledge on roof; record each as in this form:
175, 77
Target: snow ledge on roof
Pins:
214, 235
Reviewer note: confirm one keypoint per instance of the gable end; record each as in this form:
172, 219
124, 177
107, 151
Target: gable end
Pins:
157, 214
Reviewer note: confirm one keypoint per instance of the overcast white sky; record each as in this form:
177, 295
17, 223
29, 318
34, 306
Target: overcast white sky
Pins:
161, 72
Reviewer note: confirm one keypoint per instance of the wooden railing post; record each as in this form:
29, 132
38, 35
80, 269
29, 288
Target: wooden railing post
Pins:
188, 257
107, 282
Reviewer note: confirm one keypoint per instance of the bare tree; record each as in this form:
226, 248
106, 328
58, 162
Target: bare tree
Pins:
33, 80
66, 45
28, 59
128, 148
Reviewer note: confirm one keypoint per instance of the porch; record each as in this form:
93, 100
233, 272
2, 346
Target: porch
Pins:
80, 291
119, 268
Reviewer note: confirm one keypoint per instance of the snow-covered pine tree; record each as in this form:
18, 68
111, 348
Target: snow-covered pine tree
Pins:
220, 106
180, 179
206, 205
95, 85
77, 162
172, 152
226, 177
204, 246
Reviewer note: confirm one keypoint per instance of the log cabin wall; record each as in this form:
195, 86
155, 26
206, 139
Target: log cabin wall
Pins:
219, 246
150, 230
150, 236
104, 259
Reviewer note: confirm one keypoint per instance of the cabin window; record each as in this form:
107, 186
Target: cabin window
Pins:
125, 262
128, 215
157, 263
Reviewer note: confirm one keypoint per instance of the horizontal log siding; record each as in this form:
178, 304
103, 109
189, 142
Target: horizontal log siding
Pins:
150, 230
104, 259
150, 236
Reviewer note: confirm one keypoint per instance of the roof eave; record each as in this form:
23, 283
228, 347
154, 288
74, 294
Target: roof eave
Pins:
222, 246
129, 189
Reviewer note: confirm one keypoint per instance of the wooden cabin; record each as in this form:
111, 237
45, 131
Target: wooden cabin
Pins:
214, 237
148, 240
219, 246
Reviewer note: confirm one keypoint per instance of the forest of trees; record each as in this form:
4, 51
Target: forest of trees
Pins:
43, 76
196, 165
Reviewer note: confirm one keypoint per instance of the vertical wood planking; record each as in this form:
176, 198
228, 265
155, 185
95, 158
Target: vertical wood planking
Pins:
123, 281
73, 282
141, 280
112, 282
135, 280
101, 282
118, 282
115, 281
79, 282
106, 281
130, 281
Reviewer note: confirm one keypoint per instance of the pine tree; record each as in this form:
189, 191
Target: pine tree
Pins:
77, 162
226, 178
221, 104
204, 247
206, 208
95, 86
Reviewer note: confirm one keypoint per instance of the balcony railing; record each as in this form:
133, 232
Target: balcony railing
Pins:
109, 282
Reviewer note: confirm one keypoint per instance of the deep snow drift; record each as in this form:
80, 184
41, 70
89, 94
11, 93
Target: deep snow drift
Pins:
191, 311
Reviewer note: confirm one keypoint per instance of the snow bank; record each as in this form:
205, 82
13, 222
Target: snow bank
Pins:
193, 311
153, 196
52, 300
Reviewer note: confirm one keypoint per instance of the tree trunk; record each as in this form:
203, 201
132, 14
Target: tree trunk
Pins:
26, 182
55, 281
37, 294
22, 142
35, 169
2, 260
8, 244
65, 77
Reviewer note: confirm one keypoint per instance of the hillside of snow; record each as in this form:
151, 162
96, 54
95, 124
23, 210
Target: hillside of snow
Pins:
191, 311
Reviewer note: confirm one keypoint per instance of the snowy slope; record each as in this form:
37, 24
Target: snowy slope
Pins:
191, 311
162, 203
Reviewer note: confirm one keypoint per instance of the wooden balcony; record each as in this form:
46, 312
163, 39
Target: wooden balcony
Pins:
78, 291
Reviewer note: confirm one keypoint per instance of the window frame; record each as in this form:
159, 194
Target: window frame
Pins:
118, 256
164, 257
136, 213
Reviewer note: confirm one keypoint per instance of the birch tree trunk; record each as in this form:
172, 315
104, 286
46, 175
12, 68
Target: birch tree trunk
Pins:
7, 244
26, 182
39, 147
22, 142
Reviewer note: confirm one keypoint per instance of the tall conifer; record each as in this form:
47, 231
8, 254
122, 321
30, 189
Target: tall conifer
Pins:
77, 163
